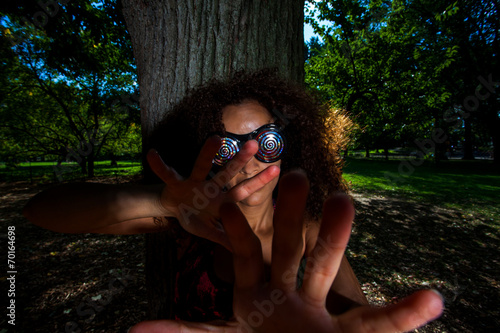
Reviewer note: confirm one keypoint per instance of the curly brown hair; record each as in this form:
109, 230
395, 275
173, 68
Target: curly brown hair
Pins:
314, 134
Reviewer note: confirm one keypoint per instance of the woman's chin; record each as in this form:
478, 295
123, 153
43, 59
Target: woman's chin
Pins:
254, 200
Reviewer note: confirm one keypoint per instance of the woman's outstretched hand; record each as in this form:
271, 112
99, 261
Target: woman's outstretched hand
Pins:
277, 305
196, 201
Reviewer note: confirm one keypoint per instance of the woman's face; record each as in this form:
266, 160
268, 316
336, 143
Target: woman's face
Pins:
242, 119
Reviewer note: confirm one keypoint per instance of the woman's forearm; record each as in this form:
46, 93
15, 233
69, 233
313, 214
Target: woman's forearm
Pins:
84, 207
345, 292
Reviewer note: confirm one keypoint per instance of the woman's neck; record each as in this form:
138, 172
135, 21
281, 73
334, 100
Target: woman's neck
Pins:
260, 218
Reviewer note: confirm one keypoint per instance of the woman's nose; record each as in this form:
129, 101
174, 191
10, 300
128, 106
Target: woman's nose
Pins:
252, 167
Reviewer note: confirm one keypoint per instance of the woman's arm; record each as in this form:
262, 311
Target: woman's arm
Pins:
345, 292
127, 209
90, 207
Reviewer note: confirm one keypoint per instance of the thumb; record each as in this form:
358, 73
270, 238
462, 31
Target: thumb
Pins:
414, 311
163, 171
173, 326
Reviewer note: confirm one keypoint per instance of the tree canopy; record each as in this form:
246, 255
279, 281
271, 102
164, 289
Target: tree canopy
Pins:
407, 68
69, 83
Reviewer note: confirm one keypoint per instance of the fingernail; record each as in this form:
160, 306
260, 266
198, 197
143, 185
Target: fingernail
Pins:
436, 307
299, 170
439, 294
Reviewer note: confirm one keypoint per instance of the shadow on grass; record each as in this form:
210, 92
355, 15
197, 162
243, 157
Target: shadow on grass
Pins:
72, 283
398, 247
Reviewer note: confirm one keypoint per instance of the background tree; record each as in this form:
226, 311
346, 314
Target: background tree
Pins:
181, 44
68, 66
405, 69
474, 27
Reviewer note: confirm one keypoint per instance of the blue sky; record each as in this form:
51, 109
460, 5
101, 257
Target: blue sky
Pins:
308, 32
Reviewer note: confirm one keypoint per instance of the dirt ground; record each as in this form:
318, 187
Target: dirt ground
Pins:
95, 283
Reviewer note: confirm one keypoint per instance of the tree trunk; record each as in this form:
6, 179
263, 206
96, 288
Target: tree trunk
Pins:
367, 152
494, 129
181, 44
83, 166
468, 148
495, 137
91, 166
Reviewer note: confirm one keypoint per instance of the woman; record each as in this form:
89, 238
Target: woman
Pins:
294, 134
227, 194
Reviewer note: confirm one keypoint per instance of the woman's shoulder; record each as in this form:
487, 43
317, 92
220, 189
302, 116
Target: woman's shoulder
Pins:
311, 231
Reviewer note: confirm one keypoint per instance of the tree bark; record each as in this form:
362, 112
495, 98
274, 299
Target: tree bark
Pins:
91, 166
496, 149
494, 129
179, 45
468, 145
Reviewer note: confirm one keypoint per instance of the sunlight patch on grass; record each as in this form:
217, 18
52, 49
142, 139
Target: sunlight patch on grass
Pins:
472, 187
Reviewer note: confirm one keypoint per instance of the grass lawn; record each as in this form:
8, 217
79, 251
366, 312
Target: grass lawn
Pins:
429, 227
46, 172
472, 186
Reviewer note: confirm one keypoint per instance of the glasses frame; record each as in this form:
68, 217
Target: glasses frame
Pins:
242, 138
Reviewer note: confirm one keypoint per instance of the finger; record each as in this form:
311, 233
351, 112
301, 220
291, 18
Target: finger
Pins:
213, 232
163, 171
203, 163
252, 185
162, 326
288, 228
235, 165
323, 264
247, 251
412, 312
